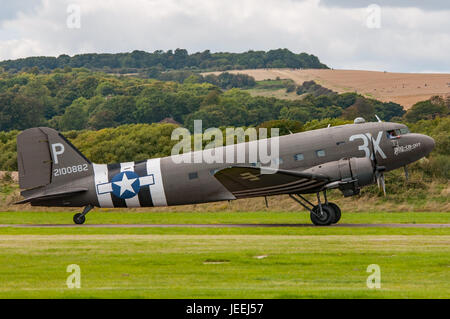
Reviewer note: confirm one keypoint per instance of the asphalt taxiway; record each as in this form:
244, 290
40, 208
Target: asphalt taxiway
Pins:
219, 225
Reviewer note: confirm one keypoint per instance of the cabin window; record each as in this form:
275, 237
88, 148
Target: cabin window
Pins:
193, 175
278, 161
299, 157
320, 153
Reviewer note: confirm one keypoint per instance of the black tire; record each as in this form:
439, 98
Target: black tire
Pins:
337, 212
79, 219
325, 219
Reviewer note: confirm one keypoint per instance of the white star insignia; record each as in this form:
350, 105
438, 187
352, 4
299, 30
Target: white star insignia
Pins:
125, 184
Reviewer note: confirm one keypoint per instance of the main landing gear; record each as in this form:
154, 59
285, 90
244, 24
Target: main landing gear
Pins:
80, 218
321, 214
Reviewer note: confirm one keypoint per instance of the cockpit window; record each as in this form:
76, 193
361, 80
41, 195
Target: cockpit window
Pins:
404, 131
392, 134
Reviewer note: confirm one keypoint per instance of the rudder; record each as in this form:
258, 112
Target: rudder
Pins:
45, 157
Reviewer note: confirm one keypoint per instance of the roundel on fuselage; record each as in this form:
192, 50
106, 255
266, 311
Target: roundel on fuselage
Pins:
125, 184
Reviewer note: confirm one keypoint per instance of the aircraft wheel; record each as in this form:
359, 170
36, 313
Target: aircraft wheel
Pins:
79, 219
337, 212
324, 219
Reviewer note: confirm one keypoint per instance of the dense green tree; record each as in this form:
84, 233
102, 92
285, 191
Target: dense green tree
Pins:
435, 106
87, 86
361, 108
75, 117
386, 111
294, 113
285, 126
123, 107
151, 109
102, 118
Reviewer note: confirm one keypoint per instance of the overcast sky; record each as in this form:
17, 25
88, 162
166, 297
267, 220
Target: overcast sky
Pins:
406, 36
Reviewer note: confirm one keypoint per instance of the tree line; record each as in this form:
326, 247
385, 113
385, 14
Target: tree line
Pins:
170, 60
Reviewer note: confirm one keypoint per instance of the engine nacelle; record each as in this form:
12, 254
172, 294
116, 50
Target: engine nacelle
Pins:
348, 174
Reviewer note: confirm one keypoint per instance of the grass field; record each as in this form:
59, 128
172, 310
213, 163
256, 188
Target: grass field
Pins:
105, 216
257, 262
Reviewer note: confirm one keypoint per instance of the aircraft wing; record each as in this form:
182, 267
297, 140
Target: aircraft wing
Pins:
243, 181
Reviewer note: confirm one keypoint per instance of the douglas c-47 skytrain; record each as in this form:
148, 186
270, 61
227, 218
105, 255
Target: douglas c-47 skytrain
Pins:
52, 172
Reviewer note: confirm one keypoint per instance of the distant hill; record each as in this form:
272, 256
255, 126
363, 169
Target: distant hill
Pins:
170, 60
405, 89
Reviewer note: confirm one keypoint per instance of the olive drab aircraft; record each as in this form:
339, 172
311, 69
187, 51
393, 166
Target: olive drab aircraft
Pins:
52, 172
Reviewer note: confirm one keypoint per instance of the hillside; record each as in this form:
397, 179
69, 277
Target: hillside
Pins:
405, 89
75, 99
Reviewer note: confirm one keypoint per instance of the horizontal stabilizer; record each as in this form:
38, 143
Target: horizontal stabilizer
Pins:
52, 194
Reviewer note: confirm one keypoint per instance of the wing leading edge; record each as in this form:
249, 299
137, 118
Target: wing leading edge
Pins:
243, 181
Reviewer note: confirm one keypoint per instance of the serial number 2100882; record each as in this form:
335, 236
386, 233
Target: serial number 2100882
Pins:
70, 170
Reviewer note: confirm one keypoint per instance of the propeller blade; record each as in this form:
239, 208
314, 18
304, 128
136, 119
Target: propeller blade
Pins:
380, 181
406, 172
377, 176
373, 156
383, 184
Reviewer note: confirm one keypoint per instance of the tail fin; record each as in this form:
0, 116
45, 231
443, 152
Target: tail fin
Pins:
46, 157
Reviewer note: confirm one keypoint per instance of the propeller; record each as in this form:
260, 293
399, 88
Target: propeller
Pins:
378, 170
380, 181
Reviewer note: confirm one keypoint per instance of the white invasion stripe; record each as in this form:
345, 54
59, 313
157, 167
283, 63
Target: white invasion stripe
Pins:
157, 189
101, 177
104, 188
133, 201
147, 180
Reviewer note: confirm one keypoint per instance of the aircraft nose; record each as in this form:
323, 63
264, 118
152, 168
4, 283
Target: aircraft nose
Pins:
428, 144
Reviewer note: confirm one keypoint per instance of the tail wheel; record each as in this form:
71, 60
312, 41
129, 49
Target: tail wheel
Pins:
79, 219
325, 218
337, 212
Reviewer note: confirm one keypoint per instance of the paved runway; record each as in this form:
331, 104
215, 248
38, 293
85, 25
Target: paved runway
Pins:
218, 225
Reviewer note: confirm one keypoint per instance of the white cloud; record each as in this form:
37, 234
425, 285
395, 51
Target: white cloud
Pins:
410, 39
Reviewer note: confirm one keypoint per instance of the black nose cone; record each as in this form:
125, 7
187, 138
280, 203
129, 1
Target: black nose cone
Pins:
427, 144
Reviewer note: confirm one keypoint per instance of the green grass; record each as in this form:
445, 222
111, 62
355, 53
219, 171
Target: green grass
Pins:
100, 216
291, 231
182, 262
273, 84
182, 266
274, 88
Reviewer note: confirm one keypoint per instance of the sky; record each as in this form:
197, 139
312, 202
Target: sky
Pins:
395, 35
